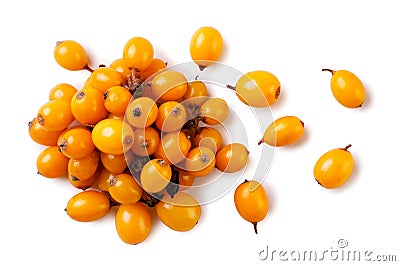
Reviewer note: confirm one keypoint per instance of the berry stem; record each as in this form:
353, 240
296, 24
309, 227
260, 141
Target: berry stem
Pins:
88, 68
261, 141
231, 87
347, 147
330, 70
255, 227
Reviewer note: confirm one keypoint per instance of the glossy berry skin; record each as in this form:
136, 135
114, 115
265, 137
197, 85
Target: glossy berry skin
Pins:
71, 55
232, 158
76, 142
283, 131
83, 168
117, 99
196, 94
133, 223
124, 189
138, 53
116, 164
62, 91
206, 46
141, 112
334, 168
104, 78
214, 111
41, 135
347, 88
155, 66
155, 175
171, 116
173, 147
112, 136
55, 115
209, 137
146, 141
180, 213
88, 206
86, 183
104, 180
200, 161
51, 163
120, 66
169, 85
258, 88
87, 106
251, 202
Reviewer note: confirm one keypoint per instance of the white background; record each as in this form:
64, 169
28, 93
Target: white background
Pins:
293, 40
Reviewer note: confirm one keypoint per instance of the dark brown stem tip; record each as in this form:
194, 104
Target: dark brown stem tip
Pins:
347, 147
330, 70
202, 67
88, 68
255, 227
231, 87
261, 141
302, 123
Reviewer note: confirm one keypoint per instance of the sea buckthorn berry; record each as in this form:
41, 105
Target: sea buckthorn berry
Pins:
51, 163
180, 213
120, 66
251, 202
104, 78
71, 55
232, 158
258, 88
117, 99
83, 168
169, 85
155, 66
124, 189
334, 167
62, 91
208, 137
196, 94
185, 180
87, 106
146, 141
173, 147
112, 136
76, 142
41, 135
214, 111
116, 164
155, 175
88, 206
104, 180
141, 112
206, 46
200, 161
283, 131
55, 115
347, 88
171, 116
138, 53
133, 223
86, 183
115, 116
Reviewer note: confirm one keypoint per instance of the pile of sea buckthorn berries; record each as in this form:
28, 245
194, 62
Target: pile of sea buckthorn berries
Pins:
137, 134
